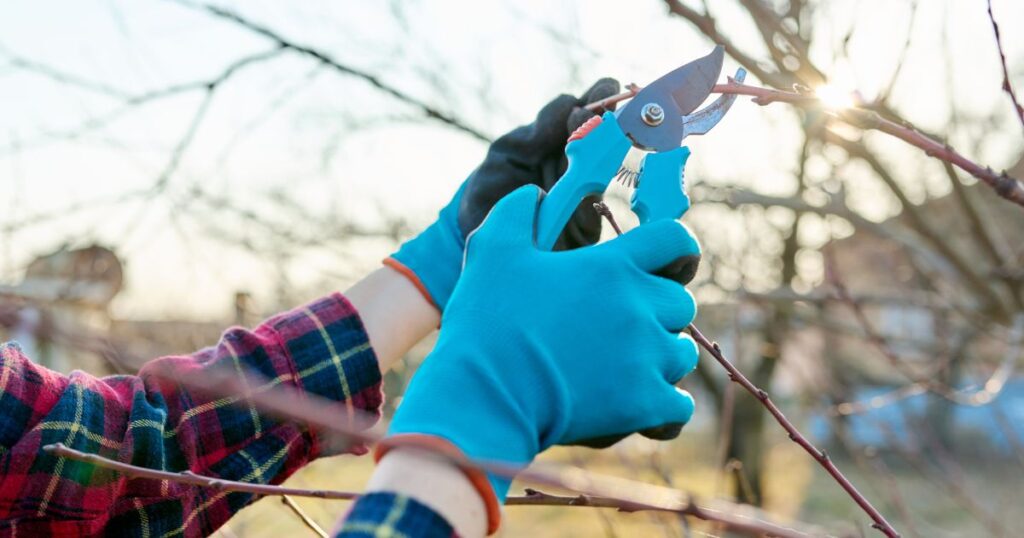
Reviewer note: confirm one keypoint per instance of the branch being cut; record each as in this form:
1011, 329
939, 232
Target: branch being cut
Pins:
1004, 185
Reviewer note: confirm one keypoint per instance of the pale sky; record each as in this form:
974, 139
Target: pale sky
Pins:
278, 126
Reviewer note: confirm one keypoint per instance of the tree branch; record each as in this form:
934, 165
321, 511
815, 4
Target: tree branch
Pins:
1007, 87
188, 477
427, 109
732, 516
308, 521
1008, 187
707, 25
819, 455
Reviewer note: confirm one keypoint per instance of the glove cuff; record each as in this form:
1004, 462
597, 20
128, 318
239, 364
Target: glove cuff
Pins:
411, 276
432, 260
481, 481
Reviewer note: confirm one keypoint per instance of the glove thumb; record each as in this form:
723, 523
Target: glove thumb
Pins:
510, 223
655, 245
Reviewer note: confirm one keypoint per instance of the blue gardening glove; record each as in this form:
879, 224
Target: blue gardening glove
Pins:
539, 348
531, 154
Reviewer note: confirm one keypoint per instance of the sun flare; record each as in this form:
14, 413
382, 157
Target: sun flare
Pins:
835, 97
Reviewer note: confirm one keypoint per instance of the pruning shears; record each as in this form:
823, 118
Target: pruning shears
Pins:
656, 120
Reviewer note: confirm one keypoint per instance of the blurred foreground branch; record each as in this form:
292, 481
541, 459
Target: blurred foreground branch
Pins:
591, 489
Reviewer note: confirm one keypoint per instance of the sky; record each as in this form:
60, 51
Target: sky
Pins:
306, 149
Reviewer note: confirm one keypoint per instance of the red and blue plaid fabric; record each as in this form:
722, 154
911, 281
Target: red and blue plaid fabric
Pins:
321, 348
389, 514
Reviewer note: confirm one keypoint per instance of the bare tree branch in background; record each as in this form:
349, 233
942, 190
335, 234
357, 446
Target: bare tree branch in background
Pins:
427, 109
1007, 87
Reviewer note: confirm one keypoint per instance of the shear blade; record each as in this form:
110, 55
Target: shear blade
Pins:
678, 93
705, 119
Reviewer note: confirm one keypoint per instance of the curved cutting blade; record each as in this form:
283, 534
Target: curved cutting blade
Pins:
677, 94
701, 121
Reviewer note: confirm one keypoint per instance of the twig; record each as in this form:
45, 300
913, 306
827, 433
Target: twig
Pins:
989, 390
819, 455
874, 467
954, 489
709, 27
322, 57
1007, 87
915, 216
734, 517
290, 404
607, 102
188, 477
302, 515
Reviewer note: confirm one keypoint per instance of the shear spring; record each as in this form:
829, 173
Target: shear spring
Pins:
628, 177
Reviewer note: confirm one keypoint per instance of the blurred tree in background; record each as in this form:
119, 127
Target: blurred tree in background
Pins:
268, 152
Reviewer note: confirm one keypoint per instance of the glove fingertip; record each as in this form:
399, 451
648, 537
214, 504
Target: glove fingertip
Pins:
679, 406
577, 118
604, 87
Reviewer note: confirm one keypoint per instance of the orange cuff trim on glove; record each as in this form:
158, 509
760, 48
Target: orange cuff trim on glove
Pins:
477, 478
411, 276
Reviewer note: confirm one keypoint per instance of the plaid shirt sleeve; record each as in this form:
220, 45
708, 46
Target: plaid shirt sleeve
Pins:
321, 348
390, 514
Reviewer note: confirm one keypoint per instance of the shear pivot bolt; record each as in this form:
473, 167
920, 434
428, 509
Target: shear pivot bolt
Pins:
653, 114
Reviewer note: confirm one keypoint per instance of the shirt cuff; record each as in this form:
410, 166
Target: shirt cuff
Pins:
332, 357
390, 514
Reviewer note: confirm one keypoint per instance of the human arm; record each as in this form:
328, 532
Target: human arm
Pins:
320, 348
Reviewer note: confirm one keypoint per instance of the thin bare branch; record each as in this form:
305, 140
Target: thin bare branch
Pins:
308, 521
290, 404
1007, 87
879, 521
709, 27
424, 107
129, 103
188, 477
989, 390
1006, 186
63, 77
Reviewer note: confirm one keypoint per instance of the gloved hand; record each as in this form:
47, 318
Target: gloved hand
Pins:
531, 154
540, 348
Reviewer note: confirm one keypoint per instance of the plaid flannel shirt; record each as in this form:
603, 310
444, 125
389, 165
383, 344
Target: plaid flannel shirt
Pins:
388, 514
321, 348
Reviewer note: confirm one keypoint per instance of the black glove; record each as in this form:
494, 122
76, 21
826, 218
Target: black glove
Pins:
535, 154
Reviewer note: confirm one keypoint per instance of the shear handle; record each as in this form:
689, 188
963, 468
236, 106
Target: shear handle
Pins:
593, 161
661, 194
